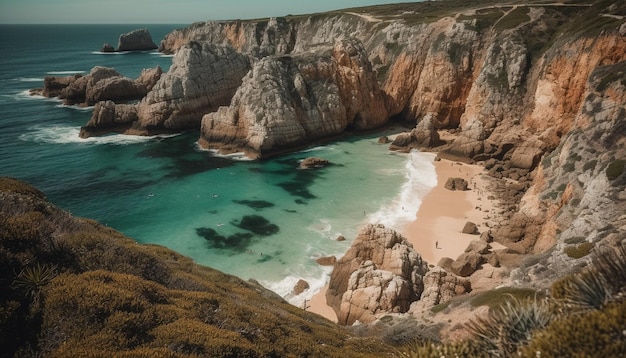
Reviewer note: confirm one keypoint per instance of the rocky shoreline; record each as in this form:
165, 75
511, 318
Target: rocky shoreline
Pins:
535, 93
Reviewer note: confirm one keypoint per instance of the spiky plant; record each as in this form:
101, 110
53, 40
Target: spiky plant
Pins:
33, 278
421, 349
586, 290
509, 326
611, 264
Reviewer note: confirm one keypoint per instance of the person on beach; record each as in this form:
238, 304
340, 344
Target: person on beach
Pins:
436, 244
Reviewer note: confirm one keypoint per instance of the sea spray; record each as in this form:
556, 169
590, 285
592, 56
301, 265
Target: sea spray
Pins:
420, 179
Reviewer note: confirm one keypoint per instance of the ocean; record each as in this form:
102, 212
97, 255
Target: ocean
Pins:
263, 220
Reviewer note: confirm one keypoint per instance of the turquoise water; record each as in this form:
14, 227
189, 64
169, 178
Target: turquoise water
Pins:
266, 220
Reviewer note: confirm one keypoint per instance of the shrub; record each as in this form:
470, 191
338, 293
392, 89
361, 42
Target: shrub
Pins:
615, 169
419, 349
590, 165
595, 333
510, 326
501, 296
584, 290
580, 250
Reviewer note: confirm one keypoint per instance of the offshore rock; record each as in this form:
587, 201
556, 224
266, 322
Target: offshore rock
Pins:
380, 273
101, 84
202, 78
288, 101
313, 162
137, 40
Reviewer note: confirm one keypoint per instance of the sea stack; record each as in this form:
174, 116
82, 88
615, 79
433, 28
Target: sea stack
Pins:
136, 40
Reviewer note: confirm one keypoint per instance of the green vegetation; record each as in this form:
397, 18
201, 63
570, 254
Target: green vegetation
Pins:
582, 317
580, 250
494, 299
72, 287
483, 19
615, 169
590, 165
513, 19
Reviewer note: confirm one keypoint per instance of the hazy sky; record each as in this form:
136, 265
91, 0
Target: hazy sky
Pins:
161, 11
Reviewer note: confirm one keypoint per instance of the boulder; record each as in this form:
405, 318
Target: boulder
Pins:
136, 40
380, 273
440, 286
107, 48
300, 287
470, 228
467, 264
456, 184
425, 133
327, 261
313, 162
478, 246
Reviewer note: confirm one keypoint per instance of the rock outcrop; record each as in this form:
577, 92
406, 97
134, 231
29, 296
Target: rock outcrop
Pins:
289, 101
202, 78
101, 84
440, 286
313, 162
381, 272
136, 40
535, 92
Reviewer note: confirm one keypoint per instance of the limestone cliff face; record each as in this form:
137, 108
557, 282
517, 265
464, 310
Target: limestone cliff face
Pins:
579, 186
520, 87
202, 78
101, 84
290, 100
274, 36
381, 272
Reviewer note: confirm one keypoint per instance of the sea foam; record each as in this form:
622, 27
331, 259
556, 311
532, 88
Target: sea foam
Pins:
420, 179
70, 135
67, 73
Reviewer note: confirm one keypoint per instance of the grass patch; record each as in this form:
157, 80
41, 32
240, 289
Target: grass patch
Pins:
498, 297
580, 250
440, 307
615, 169
590, 165
513, 19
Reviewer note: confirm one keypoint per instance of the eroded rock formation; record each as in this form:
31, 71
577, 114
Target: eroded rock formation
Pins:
288, 101
381, 272
535, 92
202, 78
101, 84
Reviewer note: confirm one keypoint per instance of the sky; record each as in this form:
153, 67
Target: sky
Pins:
161, 11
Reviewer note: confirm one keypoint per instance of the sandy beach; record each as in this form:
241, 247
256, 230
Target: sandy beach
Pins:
436, 231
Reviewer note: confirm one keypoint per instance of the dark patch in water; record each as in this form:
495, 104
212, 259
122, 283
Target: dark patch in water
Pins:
213, 211
300, 201
237, 242
290, 211
255, 204
264, 258
256, 224
184, 160
185, 167
297, 189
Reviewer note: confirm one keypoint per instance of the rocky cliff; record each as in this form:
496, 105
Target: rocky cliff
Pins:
380, 273
535, 92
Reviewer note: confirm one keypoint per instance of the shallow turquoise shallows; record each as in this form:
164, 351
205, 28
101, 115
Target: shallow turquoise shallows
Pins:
264, 220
